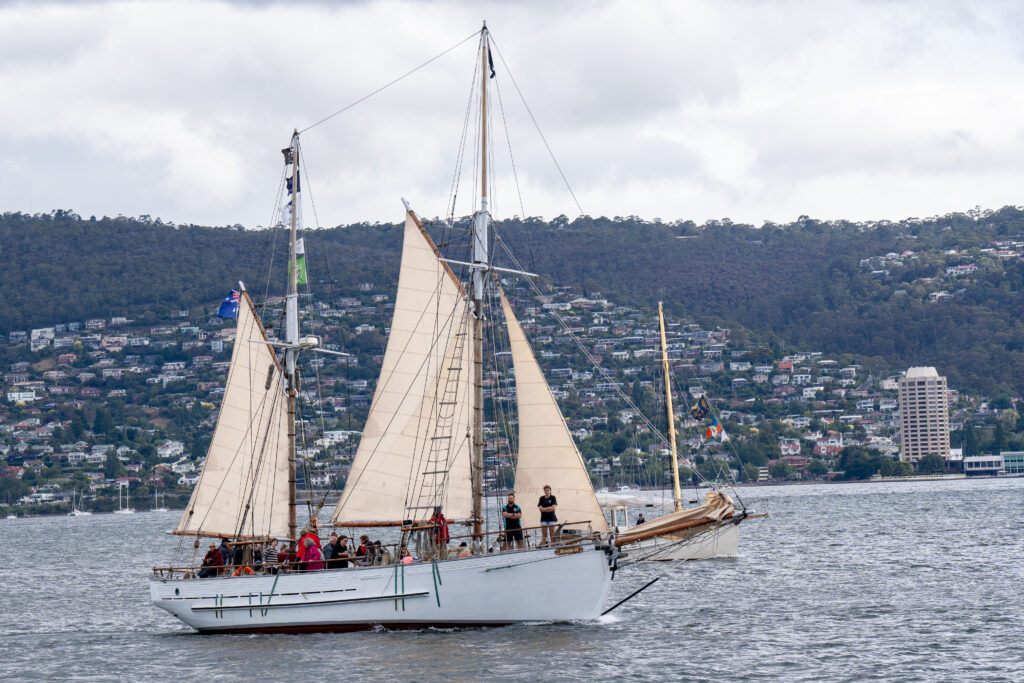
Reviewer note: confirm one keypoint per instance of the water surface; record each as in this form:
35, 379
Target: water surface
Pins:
888, 581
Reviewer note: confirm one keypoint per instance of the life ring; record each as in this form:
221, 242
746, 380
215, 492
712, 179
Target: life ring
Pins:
243, 570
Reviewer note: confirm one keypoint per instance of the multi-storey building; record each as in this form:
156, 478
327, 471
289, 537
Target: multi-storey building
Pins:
924, 414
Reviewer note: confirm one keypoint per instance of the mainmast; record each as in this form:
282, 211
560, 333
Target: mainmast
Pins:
481, 264
677, 493
291, 156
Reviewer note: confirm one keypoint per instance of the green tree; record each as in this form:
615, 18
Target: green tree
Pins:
931, 463
817, 468
103, 423
780, 469
751, 472
112, 468
970, 440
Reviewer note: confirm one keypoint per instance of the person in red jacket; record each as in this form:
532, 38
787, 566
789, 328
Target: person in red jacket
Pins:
312, 557
310, 532
439, 533
211, 563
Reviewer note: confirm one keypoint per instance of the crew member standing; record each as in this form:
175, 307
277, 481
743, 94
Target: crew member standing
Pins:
513, 527
547, 506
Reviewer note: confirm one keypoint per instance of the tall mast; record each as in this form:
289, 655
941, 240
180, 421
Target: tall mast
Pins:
292, 329
481, 264
677, 494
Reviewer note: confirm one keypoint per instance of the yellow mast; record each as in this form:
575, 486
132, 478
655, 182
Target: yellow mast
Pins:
677, 493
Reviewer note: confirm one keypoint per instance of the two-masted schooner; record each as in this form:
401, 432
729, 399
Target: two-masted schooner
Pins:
422, 449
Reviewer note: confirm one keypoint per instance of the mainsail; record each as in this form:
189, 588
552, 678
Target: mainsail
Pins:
243, 488
415, 448
547, 453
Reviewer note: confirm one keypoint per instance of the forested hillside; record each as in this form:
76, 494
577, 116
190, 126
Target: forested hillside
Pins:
891, 293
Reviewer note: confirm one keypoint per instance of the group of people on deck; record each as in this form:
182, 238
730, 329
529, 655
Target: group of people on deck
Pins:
305, 555
309, 555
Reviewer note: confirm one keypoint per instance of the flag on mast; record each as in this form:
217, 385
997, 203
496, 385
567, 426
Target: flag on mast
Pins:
229, 307
701, 409
300, 261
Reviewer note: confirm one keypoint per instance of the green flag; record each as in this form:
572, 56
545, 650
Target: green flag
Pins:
300, 262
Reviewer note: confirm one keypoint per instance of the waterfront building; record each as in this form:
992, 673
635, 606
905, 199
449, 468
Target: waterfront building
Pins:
1013, 462
984, 465
924, 414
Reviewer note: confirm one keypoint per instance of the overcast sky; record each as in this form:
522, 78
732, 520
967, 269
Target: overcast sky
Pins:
748, 110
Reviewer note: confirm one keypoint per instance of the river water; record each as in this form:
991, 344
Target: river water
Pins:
886, 581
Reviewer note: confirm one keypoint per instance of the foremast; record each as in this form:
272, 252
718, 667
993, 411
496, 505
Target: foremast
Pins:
481, 266
677, 495
291, 349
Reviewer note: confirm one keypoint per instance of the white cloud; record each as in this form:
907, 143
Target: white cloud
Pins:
750, 110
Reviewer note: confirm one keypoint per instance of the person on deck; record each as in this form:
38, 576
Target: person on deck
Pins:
211, 562
339, 554
383, 555
640, 519
270, 558
547, 506
365, 551
312, 533
312, 557
439, 533
225, 551
512, 514
328, 549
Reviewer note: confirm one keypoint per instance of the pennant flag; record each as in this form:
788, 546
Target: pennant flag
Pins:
300, 261
714, 429
286, 214
298, 183
701, 409
490, 60
229, 307
289, 155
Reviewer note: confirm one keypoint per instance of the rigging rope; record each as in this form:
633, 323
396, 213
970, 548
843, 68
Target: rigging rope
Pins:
389, 84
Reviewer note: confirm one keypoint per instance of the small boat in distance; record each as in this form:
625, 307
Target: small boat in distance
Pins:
124, 508
157, 507
75, 510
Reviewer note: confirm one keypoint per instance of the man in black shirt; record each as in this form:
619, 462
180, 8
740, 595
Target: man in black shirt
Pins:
513, 527
547, 505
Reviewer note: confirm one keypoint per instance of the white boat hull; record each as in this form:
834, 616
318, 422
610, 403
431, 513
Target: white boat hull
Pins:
719, 541
491, 590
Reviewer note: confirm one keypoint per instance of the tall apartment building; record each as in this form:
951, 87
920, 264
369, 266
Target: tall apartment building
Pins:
924, 414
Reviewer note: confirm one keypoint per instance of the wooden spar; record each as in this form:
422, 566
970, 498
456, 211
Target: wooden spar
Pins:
676, 492
626, 539
480, 262
292, 326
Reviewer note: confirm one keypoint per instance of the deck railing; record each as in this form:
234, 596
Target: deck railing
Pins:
421, 543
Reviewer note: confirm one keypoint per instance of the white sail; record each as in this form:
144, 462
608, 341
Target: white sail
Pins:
243, 488
547, 454
415, 448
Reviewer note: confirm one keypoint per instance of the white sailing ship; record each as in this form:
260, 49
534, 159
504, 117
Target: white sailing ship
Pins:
422, 448
124, 503
709, 530
76, 510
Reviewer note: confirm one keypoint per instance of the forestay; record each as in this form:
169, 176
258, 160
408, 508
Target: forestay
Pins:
243, 488
547, 453
415, 448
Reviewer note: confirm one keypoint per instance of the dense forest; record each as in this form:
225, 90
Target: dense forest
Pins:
799, 285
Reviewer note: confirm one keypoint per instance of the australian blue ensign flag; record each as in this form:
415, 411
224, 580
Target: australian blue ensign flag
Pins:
229, 307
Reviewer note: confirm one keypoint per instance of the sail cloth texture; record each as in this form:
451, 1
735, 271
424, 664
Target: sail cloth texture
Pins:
717, 506
247, 463
547, 453
423, 403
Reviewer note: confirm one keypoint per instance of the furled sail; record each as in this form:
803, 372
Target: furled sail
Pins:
415, 448
243, 488
547, 454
